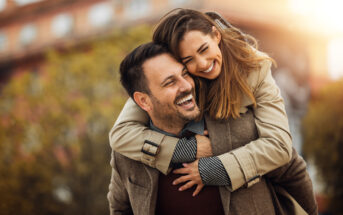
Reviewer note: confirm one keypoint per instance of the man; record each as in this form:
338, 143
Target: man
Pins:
169, 99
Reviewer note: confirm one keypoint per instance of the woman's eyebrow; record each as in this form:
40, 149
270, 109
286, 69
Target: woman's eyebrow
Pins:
185, 58
198, 50
201, 47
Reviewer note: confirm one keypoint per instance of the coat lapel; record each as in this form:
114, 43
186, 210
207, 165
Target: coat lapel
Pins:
220, 136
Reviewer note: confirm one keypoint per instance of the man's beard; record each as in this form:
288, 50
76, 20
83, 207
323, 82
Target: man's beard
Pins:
169, 114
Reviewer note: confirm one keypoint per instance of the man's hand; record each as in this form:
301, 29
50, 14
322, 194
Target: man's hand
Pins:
191, 176
204, 148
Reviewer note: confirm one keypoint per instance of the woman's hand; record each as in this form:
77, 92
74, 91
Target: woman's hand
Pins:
191, 177
204, 147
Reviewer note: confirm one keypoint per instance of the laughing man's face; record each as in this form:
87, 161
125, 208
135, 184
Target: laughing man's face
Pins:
172, 90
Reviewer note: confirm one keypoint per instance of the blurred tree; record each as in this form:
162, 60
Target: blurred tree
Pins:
323, 136
54, 150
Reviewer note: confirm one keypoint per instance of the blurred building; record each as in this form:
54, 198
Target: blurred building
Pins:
29, 28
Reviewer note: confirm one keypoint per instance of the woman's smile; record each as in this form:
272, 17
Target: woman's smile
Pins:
201, 54
209, 69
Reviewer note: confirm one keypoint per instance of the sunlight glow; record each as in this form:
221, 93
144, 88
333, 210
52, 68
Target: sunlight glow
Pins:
335, 58
326, 14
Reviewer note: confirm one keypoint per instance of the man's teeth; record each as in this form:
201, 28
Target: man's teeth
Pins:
185, 99
209, 69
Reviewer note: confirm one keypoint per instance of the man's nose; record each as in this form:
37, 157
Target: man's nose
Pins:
185, 85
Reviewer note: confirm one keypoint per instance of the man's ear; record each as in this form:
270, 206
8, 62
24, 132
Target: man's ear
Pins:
216, 34
143, 100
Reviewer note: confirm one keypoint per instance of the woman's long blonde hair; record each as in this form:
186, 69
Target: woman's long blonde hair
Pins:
220, 97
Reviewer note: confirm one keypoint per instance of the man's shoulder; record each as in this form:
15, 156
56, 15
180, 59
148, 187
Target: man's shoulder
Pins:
123, 160
125, 164
132, 172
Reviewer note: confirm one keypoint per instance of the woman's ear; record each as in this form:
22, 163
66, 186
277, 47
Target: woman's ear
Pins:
216, 34
142, 100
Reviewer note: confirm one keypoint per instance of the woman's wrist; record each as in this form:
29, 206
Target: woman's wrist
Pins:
185, 150
212, 172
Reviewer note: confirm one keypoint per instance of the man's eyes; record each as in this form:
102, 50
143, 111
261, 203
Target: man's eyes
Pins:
168, 83
172, 81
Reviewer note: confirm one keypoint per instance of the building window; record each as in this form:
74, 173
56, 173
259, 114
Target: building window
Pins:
3, 41
62, 25
137, 8
28, 34
101, 14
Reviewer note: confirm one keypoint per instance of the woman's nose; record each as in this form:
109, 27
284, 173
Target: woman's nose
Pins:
201, 63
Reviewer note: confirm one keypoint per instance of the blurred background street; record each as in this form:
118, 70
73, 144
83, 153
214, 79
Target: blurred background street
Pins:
60, 92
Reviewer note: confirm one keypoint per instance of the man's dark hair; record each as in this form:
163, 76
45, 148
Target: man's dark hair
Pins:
131, 68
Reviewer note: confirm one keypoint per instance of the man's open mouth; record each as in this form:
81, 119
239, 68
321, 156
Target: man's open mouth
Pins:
185, 100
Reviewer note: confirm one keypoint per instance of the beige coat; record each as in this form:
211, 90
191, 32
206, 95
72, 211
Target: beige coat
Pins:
133, 187
244, 165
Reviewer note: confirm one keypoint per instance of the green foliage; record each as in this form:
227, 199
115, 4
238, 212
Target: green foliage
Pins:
323, 135
54, 150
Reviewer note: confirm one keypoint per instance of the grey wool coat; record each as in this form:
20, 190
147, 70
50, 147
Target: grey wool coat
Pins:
133, 187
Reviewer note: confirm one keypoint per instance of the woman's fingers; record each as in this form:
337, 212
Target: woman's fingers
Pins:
198, 189
205, 132
181, 171
191, 177
182, 179
187, 186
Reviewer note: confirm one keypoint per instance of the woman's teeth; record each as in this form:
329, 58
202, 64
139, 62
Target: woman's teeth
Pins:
209, 69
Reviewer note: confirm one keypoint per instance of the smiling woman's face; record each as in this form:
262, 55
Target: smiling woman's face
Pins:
201, 54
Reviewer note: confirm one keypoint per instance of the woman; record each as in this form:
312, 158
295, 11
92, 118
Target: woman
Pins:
232, 78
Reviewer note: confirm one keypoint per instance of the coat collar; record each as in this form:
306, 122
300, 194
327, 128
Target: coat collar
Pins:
219, 146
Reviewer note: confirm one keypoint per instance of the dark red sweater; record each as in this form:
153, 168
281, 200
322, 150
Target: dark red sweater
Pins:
170, 201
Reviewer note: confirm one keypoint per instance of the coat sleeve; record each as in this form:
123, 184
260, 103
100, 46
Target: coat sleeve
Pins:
295, 180
131, 137
273, 148
117, 196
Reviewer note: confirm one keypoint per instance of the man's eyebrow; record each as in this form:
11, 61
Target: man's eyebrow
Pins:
166, 79
198, 50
